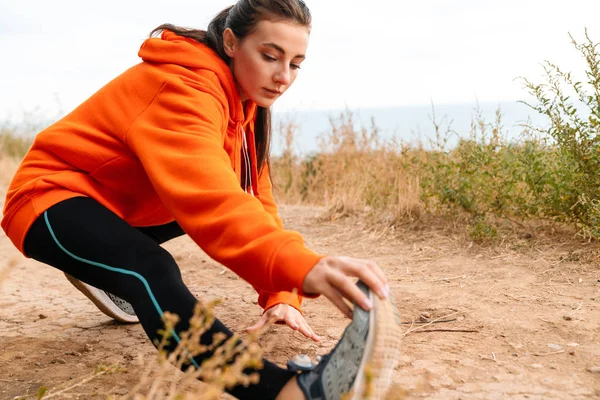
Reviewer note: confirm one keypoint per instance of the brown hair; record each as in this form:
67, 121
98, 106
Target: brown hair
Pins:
242, 18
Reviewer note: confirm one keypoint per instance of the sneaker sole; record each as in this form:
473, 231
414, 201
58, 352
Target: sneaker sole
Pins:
102, 301
382, 352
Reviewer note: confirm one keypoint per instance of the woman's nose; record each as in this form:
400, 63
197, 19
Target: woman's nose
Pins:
283, 76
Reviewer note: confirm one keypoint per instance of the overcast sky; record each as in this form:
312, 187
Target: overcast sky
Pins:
54, 54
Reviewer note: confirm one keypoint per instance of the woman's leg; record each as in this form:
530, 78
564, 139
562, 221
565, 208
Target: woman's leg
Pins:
162, 233
112, 305
89, 242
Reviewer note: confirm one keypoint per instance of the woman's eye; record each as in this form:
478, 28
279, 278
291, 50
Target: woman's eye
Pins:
269, 58
294, 66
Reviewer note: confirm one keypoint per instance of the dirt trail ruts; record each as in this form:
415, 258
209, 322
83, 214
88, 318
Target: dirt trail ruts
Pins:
519, 326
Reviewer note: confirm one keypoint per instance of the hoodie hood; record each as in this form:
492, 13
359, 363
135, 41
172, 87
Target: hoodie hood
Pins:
174, 49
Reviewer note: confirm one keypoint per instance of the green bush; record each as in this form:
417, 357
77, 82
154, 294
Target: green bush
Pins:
573, 109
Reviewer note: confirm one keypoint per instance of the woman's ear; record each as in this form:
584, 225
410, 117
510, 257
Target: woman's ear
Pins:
229, 42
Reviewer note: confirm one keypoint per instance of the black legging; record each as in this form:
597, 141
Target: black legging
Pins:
83, 238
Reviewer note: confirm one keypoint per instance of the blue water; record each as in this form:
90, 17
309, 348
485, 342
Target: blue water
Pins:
410, 124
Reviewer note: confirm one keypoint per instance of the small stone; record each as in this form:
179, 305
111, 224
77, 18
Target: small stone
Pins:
567, 317
37, 364
554, 346
88, 347
594, 369
572, 344
58, 361
537, 366
42, 316
571, 352
19, 356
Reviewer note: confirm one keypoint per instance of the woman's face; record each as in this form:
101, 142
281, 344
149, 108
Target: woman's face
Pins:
266, 62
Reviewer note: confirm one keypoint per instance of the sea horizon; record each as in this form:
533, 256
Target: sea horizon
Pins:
411, 124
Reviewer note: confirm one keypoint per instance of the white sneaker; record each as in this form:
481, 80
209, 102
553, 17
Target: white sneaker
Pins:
361, 364
111, 305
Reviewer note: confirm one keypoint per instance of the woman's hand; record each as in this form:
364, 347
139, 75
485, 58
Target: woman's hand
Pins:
331, 277
285, 314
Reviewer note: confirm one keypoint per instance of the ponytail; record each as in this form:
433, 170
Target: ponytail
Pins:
214, 33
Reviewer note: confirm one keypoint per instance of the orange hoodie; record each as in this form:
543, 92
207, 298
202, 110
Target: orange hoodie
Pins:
162, 142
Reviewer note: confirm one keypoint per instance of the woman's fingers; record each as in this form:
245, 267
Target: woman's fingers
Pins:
261, 323
374, 267
357, 268
331, 277
285, 314
348, 289
306, 330
333, 295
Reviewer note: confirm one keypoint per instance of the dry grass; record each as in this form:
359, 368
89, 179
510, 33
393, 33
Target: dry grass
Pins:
13, 146
224, 369
8, 166
354, 172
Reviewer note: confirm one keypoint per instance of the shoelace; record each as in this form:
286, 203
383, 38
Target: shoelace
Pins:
247, 164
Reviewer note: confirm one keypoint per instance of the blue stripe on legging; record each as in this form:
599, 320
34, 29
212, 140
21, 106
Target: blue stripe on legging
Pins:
120, 270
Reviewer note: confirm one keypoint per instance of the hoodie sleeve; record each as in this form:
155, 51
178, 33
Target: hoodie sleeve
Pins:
179, 141
268, 299
265, 195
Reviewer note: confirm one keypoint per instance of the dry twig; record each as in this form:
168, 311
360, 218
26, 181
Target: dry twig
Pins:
548, 354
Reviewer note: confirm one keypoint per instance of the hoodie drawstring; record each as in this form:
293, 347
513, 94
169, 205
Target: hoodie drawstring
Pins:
247, 164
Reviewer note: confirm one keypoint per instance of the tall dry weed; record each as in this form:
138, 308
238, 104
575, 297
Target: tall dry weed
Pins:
226, 366
13, 146
355, 171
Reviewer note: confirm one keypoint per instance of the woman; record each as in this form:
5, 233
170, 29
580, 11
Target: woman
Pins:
180, 144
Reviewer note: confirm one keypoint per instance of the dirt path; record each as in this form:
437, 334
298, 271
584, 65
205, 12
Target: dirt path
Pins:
523, 326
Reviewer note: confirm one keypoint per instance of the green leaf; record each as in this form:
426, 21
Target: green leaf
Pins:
42, 392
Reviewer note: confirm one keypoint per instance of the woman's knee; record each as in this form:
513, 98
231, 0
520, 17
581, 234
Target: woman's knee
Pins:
156, 264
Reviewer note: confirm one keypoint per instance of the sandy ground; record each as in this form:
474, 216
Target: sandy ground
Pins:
522, 323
